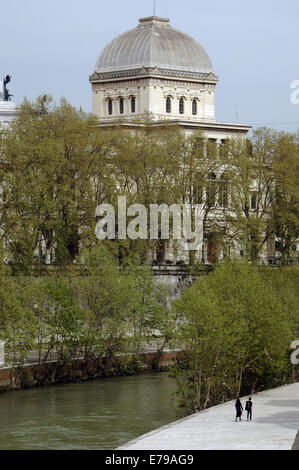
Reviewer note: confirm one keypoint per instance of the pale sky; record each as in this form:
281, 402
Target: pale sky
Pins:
51, 46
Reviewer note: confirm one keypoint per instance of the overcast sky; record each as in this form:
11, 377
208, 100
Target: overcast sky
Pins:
51, 46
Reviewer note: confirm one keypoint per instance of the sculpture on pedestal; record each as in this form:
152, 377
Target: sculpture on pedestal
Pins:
6, 94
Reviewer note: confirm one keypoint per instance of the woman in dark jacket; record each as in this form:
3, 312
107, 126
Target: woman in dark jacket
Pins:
239, 409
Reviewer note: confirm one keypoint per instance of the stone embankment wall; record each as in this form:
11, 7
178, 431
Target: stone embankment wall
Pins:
50, 373
177, 278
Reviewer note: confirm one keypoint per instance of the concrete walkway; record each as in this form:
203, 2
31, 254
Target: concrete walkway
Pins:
274, 426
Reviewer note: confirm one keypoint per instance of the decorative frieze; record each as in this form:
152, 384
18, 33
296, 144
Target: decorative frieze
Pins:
102, 76
168, 93
121, 93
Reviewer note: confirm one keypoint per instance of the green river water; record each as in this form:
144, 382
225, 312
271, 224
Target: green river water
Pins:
100, 414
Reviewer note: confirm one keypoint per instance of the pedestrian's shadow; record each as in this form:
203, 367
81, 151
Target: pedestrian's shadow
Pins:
284, 403
285, 419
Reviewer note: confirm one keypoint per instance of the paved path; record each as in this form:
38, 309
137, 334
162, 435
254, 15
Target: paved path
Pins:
274, 427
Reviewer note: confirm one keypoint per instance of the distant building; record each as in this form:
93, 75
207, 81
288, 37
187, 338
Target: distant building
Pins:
156, 69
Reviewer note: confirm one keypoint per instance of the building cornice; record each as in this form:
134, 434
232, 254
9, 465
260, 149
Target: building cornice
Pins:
232, 127
148, 72
203, 125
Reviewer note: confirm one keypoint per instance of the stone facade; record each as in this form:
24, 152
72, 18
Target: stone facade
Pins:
7, 113
151, 97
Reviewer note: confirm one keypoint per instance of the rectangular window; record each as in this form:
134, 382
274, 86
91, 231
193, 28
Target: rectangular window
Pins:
181, 106
199, 146
223, 193
194, 107
211, 150
253, 202
223, 148
133, 104
211, 190
168, 104
121, 106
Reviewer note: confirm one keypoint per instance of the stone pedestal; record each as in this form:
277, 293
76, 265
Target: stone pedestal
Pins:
2, 352
7, 112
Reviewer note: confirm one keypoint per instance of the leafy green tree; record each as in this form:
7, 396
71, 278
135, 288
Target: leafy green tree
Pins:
285, 282
251, 192
263, 193
105, 297
286, 204
149, 319
17, 325
232, 326
52, 161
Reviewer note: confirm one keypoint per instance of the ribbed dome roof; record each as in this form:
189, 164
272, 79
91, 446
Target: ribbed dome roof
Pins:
154, 43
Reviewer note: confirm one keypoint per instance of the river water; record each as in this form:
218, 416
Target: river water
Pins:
99, 414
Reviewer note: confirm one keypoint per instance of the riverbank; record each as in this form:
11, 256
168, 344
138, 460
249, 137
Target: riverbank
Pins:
274, 426
78, 370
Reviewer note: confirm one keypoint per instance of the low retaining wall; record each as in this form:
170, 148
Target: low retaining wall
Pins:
50, 373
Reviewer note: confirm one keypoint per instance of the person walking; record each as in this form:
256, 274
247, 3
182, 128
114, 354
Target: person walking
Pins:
239, 409
248, 408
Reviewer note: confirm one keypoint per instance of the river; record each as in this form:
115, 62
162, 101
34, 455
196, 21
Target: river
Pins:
99, 414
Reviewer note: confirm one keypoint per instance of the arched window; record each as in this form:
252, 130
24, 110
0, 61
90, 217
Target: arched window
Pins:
253, 201
194, 107
181, 106
110, 107
168, 104
121, 105
133, 104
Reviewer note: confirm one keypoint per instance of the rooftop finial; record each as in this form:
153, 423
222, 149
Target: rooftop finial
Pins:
151, 19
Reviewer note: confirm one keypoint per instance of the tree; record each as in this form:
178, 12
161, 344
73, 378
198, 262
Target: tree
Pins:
234, 329
263, 194
285, 282
52, 166
252, 186
123, 308
17, 325
105, 298
286, 203
149, 319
